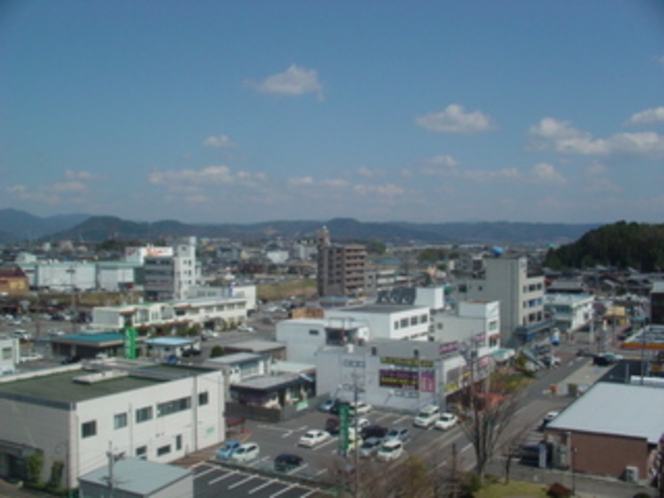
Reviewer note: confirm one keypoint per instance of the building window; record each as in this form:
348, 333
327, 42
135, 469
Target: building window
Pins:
142, 452
203, 398
89, 429
396, 324
6, 353
313, 332
119, 420
413, 320
174, 406
424, 318
163, 450
493, 325
178, 442
404, 323
143, 414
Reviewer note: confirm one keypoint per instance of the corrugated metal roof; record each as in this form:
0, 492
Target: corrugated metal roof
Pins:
618, 409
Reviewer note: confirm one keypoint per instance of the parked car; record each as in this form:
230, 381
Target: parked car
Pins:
326, 405
605, 359
245, 328
375, 431
245, 453
370, 447
287, 462
31, 357
359, 408
427, 416
313, 437
71, 359
390, 450
227, 450
400, 433
446, 421
549, 417
551, 361
189, 352
332, 425
334, 409
360, 423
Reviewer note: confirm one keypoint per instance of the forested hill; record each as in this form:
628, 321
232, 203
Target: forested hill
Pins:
635, 245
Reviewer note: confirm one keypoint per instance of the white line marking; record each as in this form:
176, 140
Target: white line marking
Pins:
213, 481
468, 446
308, 494
243, 481
292, 471
382, 417
264, 485
289, 433
321, 471
400, 419
211, 469
281, 492
324, 444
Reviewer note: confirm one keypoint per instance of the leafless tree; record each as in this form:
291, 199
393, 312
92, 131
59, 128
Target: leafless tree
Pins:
511, 448
489, 415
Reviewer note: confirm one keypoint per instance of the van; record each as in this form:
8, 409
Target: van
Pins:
390, 450
427, 416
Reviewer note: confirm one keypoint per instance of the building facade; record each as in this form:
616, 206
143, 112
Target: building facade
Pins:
571, 312
521, 297
74, 415
170, 277
340, 267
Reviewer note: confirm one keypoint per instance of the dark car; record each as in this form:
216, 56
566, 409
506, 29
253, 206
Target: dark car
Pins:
71, 359
376, 431
191, 352
287, 461
334, 409
332, 425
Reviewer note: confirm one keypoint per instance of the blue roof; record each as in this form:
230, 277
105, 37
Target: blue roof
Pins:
171, 341
95, 338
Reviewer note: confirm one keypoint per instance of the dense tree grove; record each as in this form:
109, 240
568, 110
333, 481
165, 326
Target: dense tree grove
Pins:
622, 244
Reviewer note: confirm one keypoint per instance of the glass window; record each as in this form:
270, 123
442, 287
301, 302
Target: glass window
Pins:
89, 429
313, 332
119, 420
6, 353
413, 320
424, 318
164, 450
404, 322
203, 398
142, 452
178, 442
396, 324
143, 414
174, 406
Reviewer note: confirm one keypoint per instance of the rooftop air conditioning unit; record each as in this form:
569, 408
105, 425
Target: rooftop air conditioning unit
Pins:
631, 474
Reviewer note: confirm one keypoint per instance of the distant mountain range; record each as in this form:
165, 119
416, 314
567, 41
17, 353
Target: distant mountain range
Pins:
19, 225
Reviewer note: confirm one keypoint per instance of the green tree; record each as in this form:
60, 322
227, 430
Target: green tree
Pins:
34, 466
217, 351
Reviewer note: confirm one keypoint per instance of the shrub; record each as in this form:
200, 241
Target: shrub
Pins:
34, 465
216, 351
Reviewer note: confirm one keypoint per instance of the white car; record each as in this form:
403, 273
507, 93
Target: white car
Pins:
359, 408
361, 422
245, 328
427, 416
245, 453
313, 438
446, 421
390, 450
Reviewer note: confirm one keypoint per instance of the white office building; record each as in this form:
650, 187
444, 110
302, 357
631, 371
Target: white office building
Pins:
79, 276
570, 311
170, 277
521, 297
387, 321
75, 414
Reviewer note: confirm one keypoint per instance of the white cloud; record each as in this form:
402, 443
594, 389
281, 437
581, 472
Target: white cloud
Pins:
648, 116
80, 175
335, 182
597, 179
368, 173
547, 173
220, 142
388, 190
294, 81
303, 180
560, 136
204, 176
68, 187
491, 175
55, 193
442, 165
455, 120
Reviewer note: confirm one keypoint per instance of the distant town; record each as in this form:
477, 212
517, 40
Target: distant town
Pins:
308, 366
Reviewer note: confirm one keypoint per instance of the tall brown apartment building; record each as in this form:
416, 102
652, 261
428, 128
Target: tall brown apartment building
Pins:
340, 267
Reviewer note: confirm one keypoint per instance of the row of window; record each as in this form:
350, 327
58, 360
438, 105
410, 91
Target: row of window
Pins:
414, 320
121, 420
532, 287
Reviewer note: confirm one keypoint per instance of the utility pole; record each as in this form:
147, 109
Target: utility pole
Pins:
112, 458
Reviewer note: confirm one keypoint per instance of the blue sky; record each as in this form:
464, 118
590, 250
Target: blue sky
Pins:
242, 111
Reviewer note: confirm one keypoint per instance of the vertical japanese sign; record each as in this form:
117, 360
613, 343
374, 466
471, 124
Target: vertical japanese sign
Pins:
343, 428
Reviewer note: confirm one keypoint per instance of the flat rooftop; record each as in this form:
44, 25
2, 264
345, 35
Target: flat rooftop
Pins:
58, 385
380, 308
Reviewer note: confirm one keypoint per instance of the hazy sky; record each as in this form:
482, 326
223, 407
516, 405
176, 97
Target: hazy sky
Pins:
239, 111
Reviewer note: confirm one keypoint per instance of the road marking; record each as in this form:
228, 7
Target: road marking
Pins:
289, 433
469, 445
282, 491
240, 483
309, 493
292, 471
275, 428
324, 443
383, 417
440, 464
519, 411
321, 471
400, 419
264, 485
211, 469
213, 481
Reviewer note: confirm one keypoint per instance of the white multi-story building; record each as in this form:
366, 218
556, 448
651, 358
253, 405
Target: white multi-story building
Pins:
77, 276
477, 321
304, 337
75, 414
570, 311
208, 312
138, 254
9, 354
170, 277
387, 321
247, 292
521, 297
